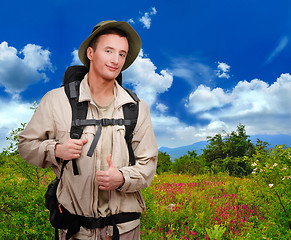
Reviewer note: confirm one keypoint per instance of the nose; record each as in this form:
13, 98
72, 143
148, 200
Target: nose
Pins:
115, 58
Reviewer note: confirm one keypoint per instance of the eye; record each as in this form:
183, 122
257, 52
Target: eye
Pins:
108, 51
122, 54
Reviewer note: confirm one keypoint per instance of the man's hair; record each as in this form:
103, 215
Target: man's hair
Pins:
93, 43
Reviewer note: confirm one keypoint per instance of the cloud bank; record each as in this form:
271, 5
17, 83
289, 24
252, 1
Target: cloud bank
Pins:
17, 73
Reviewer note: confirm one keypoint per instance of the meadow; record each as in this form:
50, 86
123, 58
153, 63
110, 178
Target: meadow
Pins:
212, 207
179, 206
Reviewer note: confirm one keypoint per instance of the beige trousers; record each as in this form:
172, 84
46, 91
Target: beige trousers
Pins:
101, 235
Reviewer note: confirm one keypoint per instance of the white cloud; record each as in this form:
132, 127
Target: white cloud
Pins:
17, 73
146, 18
131, 21
204, 99
172, 132
76, 60
36, 58
279, 48
12, 113
263, 108
223, 70
154, 11
161, 107
192, 71
146, 82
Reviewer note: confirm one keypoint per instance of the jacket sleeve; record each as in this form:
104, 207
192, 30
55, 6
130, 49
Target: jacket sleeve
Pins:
37, 141
146, 152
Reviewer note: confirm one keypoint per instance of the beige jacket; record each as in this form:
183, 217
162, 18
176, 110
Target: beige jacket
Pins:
51, 124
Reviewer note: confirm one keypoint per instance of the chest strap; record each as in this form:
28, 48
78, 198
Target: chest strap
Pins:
101, 123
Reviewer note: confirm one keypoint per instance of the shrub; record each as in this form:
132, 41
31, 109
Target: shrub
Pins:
273, 169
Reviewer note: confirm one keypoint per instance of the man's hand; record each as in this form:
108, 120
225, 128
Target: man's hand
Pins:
110, 179
70, 149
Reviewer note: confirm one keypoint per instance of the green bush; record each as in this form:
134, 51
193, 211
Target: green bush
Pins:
188, 164
164, 163
273, 169
22, 211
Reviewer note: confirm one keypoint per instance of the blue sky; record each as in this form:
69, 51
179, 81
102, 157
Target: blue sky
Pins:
205, 66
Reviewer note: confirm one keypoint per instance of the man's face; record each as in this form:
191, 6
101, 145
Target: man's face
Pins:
109, 56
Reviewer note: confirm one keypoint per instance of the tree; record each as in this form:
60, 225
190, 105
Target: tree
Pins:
164, 163
226, 153
189, 164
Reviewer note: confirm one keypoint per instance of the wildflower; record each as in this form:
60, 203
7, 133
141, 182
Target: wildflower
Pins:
254, 164
275, 164
271, 185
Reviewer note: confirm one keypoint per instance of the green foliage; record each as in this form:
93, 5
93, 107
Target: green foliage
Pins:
188, 164
13, 139
238, 166
22, 189
274, 170
215, 233
164, 163
226, 154
22, 211
14, 161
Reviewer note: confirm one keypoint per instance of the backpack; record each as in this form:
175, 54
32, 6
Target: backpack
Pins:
61, 218
71, 82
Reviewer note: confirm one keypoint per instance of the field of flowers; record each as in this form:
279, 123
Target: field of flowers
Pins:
178, 206
212, 207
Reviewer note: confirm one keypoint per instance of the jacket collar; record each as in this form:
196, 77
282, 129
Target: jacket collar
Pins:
121, 96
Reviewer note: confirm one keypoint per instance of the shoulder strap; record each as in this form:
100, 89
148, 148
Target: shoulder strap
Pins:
79, 111
71, 81
130, 112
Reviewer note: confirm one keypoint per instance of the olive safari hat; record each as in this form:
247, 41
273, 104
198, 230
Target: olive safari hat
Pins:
132, 37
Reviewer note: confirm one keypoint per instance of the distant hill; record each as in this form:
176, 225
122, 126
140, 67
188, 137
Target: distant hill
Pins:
273, 140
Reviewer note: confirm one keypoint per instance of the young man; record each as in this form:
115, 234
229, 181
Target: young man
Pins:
106, 184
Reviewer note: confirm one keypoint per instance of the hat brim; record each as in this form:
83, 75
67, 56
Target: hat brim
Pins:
133, 38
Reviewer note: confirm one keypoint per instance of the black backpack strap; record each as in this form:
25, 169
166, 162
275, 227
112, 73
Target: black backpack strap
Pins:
130, 112
79, 112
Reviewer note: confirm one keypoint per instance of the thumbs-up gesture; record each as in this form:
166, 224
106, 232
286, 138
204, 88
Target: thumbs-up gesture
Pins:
110, 179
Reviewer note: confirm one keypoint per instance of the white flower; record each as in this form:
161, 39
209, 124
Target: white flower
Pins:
254, 164
275, 164
271, 185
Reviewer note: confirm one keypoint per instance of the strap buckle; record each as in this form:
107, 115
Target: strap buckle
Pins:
106, 121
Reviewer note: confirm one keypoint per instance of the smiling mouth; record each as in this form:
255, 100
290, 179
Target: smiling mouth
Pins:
112, 68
